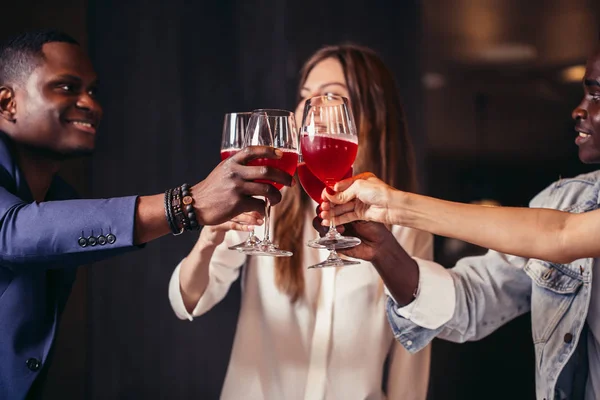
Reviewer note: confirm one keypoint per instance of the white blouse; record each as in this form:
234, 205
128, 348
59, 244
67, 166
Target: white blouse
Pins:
331, 344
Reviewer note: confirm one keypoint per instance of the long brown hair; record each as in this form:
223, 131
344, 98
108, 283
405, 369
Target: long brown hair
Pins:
383, 142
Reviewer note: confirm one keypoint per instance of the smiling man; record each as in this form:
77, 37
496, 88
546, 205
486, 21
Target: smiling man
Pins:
587, 114
49, 113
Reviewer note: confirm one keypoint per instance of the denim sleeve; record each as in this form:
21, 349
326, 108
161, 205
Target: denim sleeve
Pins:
490, 290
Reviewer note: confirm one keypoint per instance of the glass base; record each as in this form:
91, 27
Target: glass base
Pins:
334, 261
251, 244
269, 249
334, 242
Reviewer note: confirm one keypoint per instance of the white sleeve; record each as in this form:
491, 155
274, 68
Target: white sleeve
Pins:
434, 304
223, 270
435, 301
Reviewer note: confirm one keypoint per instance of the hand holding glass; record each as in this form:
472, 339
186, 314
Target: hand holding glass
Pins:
329, 143
275, 128
234, 131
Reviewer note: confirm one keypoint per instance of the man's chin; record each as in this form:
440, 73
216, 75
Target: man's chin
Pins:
587, 158
84, 152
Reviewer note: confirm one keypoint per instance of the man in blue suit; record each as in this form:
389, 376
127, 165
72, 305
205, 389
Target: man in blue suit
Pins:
49, 113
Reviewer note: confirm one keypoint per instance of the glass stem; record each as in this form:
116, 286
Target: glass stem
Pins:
250, 239
267, 240
333, 256
332, 232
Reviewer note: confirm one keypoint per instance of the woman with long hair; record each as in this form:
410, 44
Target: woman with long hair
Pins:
319, 333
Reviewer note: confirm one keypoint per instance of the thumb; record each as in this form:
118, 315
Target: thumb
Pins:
351, 193
337, 197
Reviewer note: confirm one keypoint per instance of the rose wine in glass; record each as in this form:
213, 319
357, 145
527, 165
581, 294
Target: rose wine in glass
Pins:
234, 131
225, 154
275, 128
287, 163
311, 184
329, 157
329, 144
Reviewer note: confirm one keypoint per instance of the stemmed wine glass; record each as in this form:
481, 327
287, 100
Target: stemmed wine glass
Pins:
274, 128
329, 143
310, 183
234, 131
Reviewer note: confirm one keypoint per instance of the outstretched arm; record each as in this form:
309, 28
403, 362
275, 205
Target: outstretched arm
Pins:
528, 232
194, 269
226, 192
202, 279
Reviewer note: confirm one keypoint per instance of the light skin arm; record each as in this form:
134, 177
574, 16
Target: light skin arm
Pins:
545, 234
193, 273
226, 192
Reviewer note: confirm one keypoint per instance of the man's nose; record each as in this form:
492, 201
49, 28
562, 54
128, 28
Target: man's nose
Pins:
88, 102
579, 113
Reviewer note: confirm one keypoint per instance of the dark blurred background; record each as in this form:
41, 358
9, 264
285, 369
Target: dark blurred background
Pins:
488, 86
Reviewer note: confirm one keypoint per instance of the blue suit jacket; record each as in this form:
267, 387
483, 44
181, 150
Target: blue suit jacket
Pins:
40, 246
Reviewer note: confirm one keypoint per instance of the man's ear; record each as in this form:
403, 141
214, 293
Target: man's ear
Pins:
8, 104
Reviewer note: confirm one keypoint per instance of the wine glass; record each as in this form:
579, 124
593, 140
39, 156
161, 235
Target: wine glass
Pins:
311, 184
329, 143
274, 128
234, 131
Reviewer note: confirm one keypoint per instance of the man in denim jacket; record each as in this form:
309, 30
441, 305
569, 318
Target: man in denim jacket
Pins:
490, 290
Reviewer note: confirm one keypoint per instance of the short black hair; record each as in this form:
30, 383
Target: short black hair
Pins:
21, 54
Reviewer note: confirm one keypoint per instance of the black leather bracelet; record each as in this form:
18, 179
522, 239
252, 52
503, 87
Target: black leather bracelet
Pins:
167, 208
169, 212
178, 214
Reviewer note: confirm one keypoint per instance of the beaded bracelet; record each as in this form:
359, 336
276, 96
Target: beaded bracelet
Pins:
188, 202
179, 210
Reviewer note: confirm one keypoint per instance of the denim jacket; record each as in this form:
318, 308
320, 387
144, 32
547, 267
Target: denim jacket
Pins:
495, 288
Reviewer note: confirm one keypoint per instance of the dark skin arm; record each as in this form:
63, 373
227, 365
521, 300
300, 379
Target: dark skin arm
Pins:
225, 193
399, 271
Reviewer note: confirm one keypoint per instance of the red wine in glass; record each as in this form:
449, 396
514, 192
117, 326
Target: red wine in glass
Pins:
225, 154
287, 163
329, 157
329, 143
311, 184
276, 129
232, 141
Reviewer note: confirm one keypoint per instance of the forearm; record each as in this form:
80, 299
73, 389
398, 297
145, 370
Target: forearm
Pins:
193, 274
398, 270
150, 220
526, 232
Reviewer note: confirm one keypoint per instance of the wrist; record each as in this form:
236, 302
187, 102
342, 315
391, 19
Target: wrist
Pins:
397, 206
210, 238
198, 205
386, 250
399, 272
